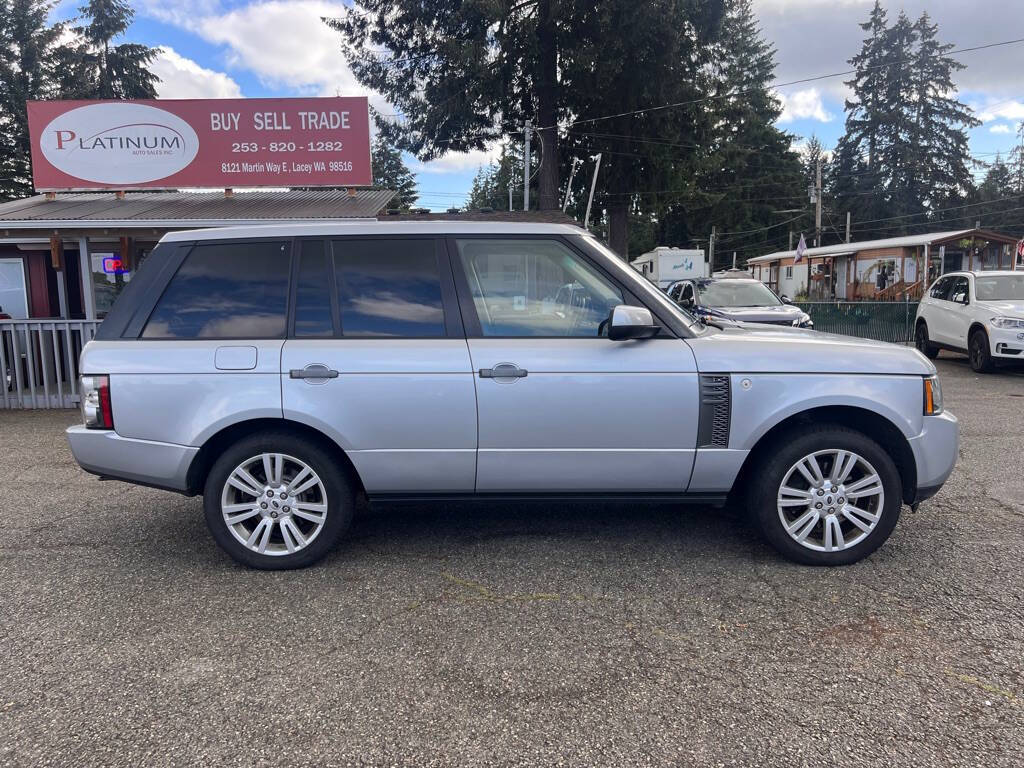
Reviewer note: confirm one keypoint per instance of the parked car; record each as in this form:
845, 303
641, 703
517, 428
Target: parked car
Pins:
281, 371
980, 314
742, 299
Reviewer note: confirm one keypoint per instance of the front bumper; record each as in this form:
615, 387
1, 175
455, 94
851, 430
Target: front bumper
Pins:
935, 453
146, 462
1006, 343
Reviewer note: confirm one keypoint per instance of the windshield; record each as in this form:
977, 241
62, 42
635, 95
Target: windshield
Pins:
630, 274
999, 288
736, 293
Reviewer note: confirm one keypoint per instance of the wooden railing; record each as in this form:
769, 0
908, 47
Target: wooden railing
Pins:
39, 361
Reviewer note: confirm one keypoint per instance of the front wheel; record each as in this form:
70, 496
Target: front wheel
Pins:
829, 496
275, 501
978, 353
922, 342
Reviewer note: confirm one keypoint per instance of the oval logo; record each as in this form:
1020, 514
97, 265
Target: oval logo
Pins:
119, 143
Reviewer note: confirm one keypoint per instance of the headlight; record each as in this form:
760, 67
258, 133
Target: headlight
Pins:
1007, 322
932, 396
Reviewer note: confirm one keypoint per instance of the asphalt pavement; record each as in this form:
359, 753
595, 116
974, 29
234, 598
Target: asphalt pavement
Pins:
533, 634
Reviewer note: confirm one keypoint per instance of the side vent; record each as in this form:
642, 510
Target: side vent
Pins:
715, 411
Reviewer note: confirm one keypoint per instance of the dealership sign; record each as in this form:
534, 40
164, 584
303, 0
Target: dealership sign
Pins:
155, 144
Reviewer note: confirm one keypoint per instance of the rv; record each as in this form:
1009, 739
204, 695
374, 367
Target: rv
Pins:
664, 265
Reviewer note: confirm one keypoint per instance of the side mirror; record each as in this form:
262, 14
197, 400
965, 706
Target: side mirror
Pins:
687, 302
786, 299
625, 322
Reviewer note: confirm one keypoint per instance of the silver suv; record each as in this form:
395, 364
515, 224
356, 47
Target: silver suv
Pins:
281, 371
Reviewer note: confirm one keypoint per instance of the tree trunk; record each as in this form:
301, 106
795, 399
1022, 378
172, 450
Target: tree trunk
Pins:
618, 227
547, 107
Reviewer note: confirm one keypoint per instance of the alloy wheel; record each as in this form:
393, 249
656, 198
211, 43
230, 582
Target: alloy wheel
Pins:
830, 500
274, 504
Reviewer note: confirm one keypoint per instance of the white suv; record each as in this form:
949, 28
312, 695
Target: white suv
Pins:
977, 313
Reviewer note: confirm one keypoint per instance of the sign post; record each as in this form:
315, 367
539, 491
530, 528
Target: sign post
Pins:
218, 143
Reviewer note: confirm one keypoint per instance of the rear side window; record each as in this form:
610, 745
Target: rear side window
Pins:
389, 287
313, 315
225, 291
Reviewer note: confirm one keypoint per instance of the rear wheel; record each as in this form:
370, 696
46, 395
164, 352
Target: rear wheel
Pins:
979, 354
922, 342
830, 496
275, 501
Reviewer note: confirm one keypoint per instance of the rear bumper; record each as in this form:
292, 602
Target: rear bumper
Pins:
935, 453
105, 453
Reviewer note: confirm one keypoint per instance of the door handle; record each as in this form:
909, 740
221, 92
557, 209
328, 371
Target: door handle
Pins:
313, 372
503, 371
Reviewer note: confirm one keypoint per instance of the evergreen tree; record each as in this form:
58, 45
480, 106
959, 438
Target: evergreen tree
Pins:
854, 179
465, 74
939, 141
752, 168
26, 73
905, 150
94, 68
492, 182
391, 172
1016, 163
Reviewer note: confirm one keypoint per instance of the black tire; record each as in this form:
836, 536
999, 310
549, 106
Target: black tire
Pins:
340, 499
921, 341
979, 354
791, 448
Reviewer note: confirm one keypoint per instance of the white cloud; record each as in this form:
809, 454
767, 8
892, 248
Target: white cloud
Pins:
182, 78
286, 44
1000, 128
805, 104
990, 110
459, 162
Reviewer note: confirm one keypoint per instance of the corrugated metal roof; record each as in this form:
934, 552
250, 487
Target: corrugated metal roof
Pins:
146, 207
906, 241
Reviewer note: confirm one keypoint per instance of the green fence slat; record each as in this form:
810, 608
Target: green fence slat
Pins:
891, 321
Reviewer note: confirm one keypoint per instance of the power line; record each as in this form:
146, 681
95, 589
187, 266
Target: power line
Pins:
800, 81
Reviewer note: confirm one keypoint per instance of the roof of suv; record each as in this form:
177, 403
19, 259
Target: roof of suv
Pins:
376, 228
983, 273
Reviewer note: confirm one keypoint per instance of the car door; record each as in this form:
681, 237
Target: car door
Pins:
935, 313
560, 406
958, 318
377, 359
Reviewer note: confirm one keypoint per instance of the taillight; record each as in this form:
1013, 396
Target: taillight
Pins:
97, 412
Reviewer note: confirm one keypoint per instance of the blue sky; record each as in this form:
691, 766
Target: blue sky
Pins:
225, 48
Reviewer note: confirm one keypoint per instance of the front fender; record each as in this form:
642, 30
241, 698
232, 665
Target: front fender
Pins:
762, 401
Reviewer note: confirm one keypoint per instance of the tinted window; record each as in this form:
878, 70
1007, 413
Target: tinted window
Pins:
535, 288
225, 290
941, 288
389, 287
958, 291
313, 316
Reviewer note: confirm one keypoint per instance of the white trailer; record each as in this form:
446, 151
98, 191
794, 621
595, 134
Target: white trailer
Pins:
664, 265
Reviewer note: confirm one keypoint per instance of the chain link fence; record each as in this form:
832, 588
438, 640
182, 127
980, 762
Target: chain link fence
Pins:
891, 321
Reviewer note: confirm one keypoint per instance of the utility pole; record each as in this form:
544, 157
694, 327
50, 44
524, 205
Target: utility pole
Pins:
711, 251
593, 184
791, 239
847, 226
568, 187
510, 185
526, 165
817, 206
